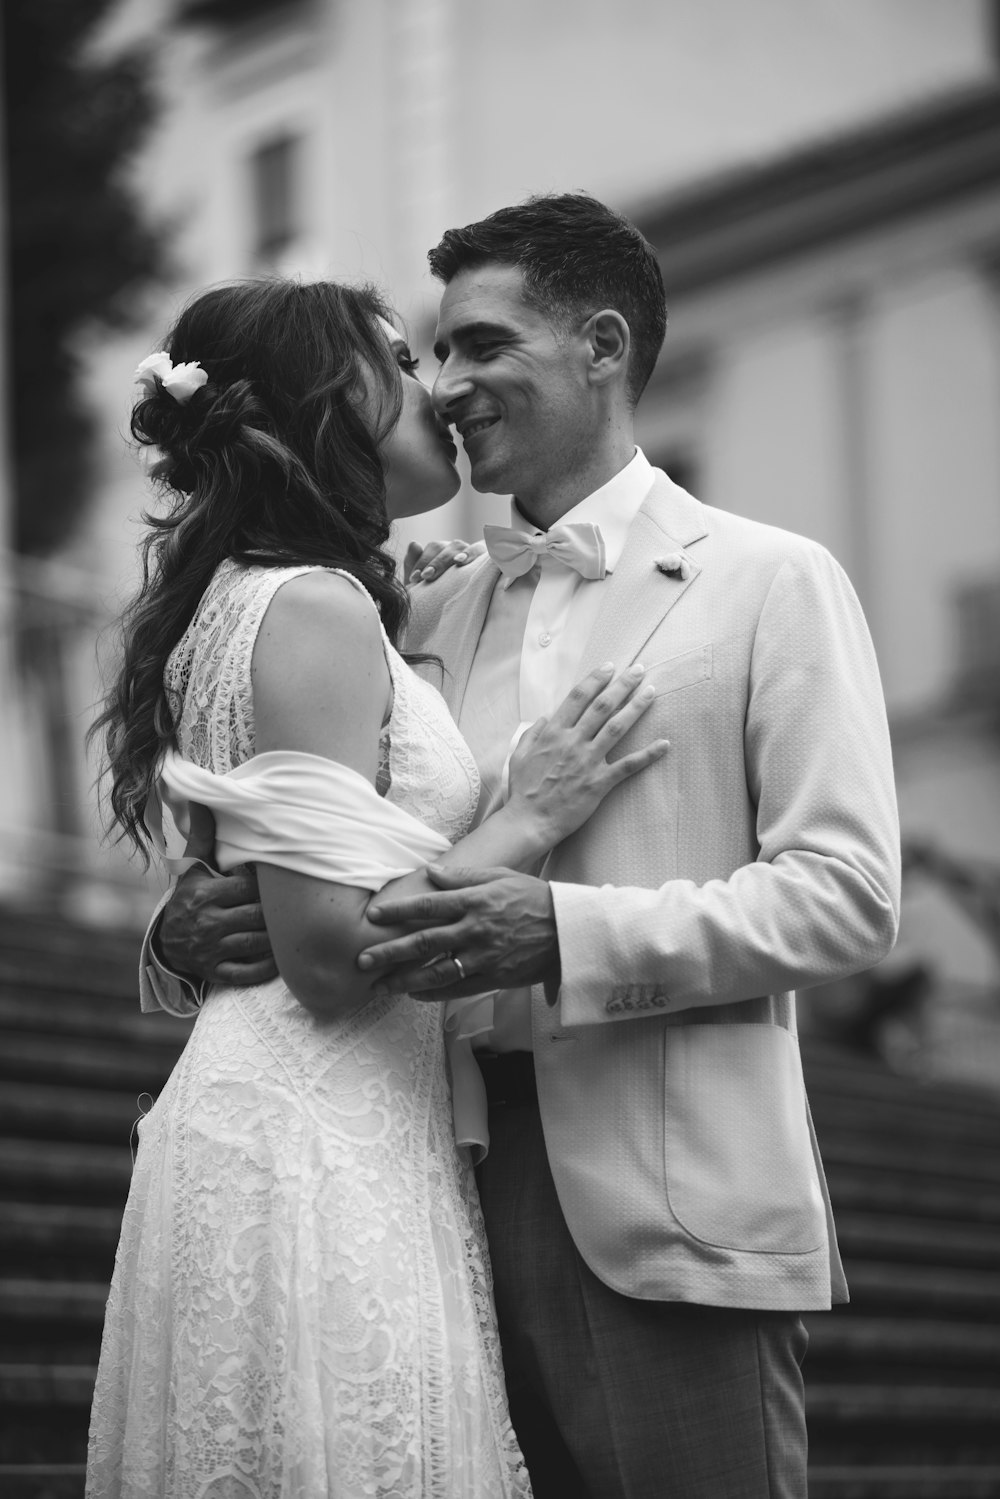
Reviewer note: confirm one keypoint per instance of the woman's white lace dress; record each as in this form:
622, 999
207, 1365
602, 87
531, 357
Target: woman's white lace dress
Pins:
301, 1303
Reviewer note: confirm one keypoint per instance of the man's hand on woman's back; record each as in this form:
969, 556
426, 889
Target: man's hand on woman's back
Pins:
212, 928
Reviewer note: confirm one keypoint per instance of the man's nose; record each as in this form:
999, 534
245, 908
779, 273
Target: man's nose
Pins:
451, 384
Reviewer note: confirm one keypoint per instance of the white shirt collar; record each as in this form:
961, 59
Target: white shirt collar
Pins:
613, 507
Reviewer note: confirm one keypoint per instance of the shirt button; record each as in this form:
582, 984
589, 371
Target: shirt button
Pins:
545, 638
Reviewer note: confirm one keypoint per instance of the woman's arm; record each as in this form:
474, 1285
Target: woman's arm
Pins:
311, 697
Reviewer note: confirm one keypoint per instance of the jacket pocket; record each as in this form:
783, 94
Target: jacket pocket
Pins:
680, 671
738, 1158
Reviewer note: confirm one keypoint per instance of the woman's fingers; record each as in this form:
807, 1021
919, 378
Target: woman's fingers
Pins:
583, 695
630, 765
425, 564
418, 557
597, 699
624, 717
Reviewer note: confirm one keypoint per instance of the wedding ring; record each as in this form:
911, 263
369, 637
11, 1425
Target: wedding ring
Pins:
458, 964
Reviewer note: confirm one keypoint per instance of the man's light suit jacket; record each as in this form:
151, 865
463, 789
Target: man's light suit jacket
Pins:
759, 857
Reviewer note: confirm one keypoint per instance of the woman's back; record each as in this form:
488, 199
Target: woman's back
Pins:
424, 763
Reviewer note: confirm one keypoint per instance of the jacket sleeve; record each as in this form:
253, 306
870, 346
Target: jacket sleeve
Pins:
821, 900
159, 987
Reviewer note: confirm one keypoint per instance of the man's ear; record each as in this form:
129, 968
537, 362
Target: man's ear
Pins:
609, 341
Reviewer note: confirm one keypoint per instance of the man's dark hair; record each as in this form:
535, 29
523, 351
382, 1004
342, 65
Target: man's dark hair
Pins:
576, 256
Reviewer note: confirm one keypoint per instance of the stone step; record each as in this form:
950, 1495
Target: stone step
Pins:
42, 1480
875, 1189
93, 1016
42, 1112
81, 972
64, 1241
845, 1074
43, 1435
28, 935
912, 1240
860, 1421
47, 1384
46, 1324
910, 1345
81, 1062
977, 1162
893, 1119
52, 1301
860, 1403
60, 1172
926, 1290
900, 1481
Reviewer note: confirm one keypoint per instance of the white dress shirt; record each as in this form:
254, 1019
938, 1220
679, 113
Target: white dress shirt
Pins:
527, 660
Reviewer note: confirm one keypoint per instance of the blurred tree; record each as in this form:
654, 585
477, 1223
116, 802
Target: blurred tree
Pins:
80, 252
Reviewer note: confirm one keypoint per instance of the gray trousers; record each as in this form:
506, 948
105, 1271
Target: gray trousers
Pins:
614, 1398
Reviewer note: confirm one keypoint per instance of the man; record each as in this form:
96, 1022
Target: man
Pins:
654, 1199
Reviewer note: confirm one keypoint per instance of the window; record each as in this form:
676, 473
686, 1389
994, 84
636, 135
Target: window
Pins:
275, 198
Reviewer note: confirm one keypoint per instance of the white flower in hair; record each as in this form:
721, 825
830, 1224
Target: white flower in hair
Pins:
178, 380
157, 364
184, 380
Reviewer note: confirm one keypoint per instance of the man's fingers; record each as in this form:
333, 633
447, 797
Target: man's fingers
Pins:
230, 891
243, 975
248, 919
198, 887
415, 949
458, 877
241, 946
438, 981
434, 909
428, 977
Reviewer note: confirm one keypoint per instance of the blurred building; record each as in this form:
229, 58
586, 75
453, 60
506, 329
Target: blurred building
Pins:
833, 367
821, 183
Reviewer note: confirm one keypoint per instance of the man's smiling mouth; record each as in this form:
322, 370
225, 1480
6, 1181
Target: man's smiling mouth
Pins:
477, 425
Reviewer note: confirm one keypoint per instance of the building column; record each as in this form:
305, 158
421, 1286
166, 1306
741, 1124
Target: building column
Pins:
423, 164
850, 321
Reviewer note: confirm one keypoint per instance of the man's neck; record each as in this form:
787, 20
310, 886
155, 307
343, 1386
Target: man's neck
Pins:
548, 507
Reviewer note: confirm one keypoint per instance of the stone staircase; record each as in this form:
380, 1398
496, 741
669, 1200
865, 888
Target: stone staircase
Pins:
903, 1384
75, 1056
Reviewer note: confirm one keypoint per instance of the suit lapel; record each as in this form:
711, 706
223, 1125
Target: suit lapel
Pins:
458, 628
638, 596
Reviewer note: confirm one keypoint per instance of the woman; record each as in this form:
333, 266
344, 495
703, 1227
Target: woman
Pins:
301, 1302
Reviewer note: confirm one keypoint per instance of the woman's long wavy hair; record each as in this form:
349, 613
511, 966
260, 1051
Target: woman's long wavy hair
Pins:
276, 461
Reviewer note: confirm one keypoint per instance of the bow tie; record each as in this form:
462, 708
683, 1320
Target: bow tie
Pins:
578, 544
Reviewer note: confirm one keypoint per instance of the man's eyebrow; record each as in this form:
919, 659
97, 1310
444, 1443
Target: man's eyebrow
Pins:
465, 332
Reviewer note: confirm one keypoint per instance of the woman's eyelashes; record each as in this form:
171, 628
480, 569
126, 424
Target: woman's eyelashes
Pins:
407, 363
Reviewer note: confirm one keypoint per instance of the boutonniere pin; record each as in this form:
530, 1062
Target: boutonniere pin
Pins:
676, 565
